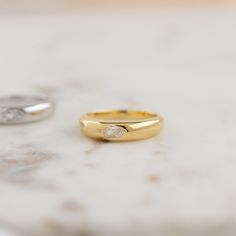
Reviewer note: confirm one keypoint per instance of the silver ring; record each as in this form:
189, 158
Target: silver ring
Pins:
18, 109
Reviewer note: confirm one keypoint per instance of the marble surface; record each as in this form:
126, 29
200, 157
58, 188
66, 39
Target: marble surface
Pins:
55, 181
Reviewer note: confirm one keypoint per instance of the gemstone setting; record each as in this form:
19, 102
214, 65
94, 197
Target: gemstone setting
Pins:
114, 132
11, 115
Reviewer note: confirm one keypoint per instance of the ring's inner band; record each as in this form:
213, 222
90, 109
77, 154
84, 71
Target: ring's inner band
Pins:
20, 101
122, 115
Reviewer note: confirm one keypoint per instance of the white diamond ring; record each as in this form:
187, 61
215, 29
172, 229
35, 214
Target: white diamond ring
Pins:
121, 125
17, 109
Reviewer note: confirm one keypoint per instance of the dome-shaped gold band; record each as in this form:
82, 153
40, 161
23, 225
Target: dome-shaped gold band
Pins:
121, 125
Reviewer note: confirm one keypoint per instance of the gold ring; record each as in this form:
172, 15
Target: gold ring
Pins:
121, 125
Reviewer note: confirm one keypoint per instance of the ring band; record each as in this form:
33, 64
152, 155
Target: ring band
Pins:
19, 109
121, 125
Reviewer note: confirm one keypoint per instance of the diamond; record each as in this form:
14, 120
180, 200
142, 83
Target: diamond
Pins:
11, 115
114, 132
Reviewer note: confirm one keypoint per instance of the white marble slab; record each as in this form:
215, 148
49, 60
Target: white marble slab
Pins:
55, 181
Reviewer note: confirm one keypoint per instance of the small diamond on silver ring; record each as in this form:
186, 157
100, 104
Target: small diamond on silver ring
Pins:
17, 109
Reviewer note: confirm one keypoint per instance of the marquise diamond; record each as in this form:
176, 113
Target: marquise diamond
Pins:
114, 132
11, 115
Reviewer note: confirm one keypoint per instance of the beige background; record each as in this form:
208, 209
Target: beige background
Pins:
30, 6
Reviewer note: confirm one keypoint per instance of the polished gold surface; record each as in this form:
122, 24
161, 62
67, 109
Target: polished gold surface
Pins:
121, 125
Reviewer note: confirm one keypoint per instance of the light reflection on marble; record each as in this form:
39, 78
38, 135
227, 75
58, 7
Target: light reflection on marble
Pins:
55, 181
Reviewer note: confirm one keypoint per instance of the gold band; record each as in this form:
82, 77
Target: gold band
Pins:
121, 125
